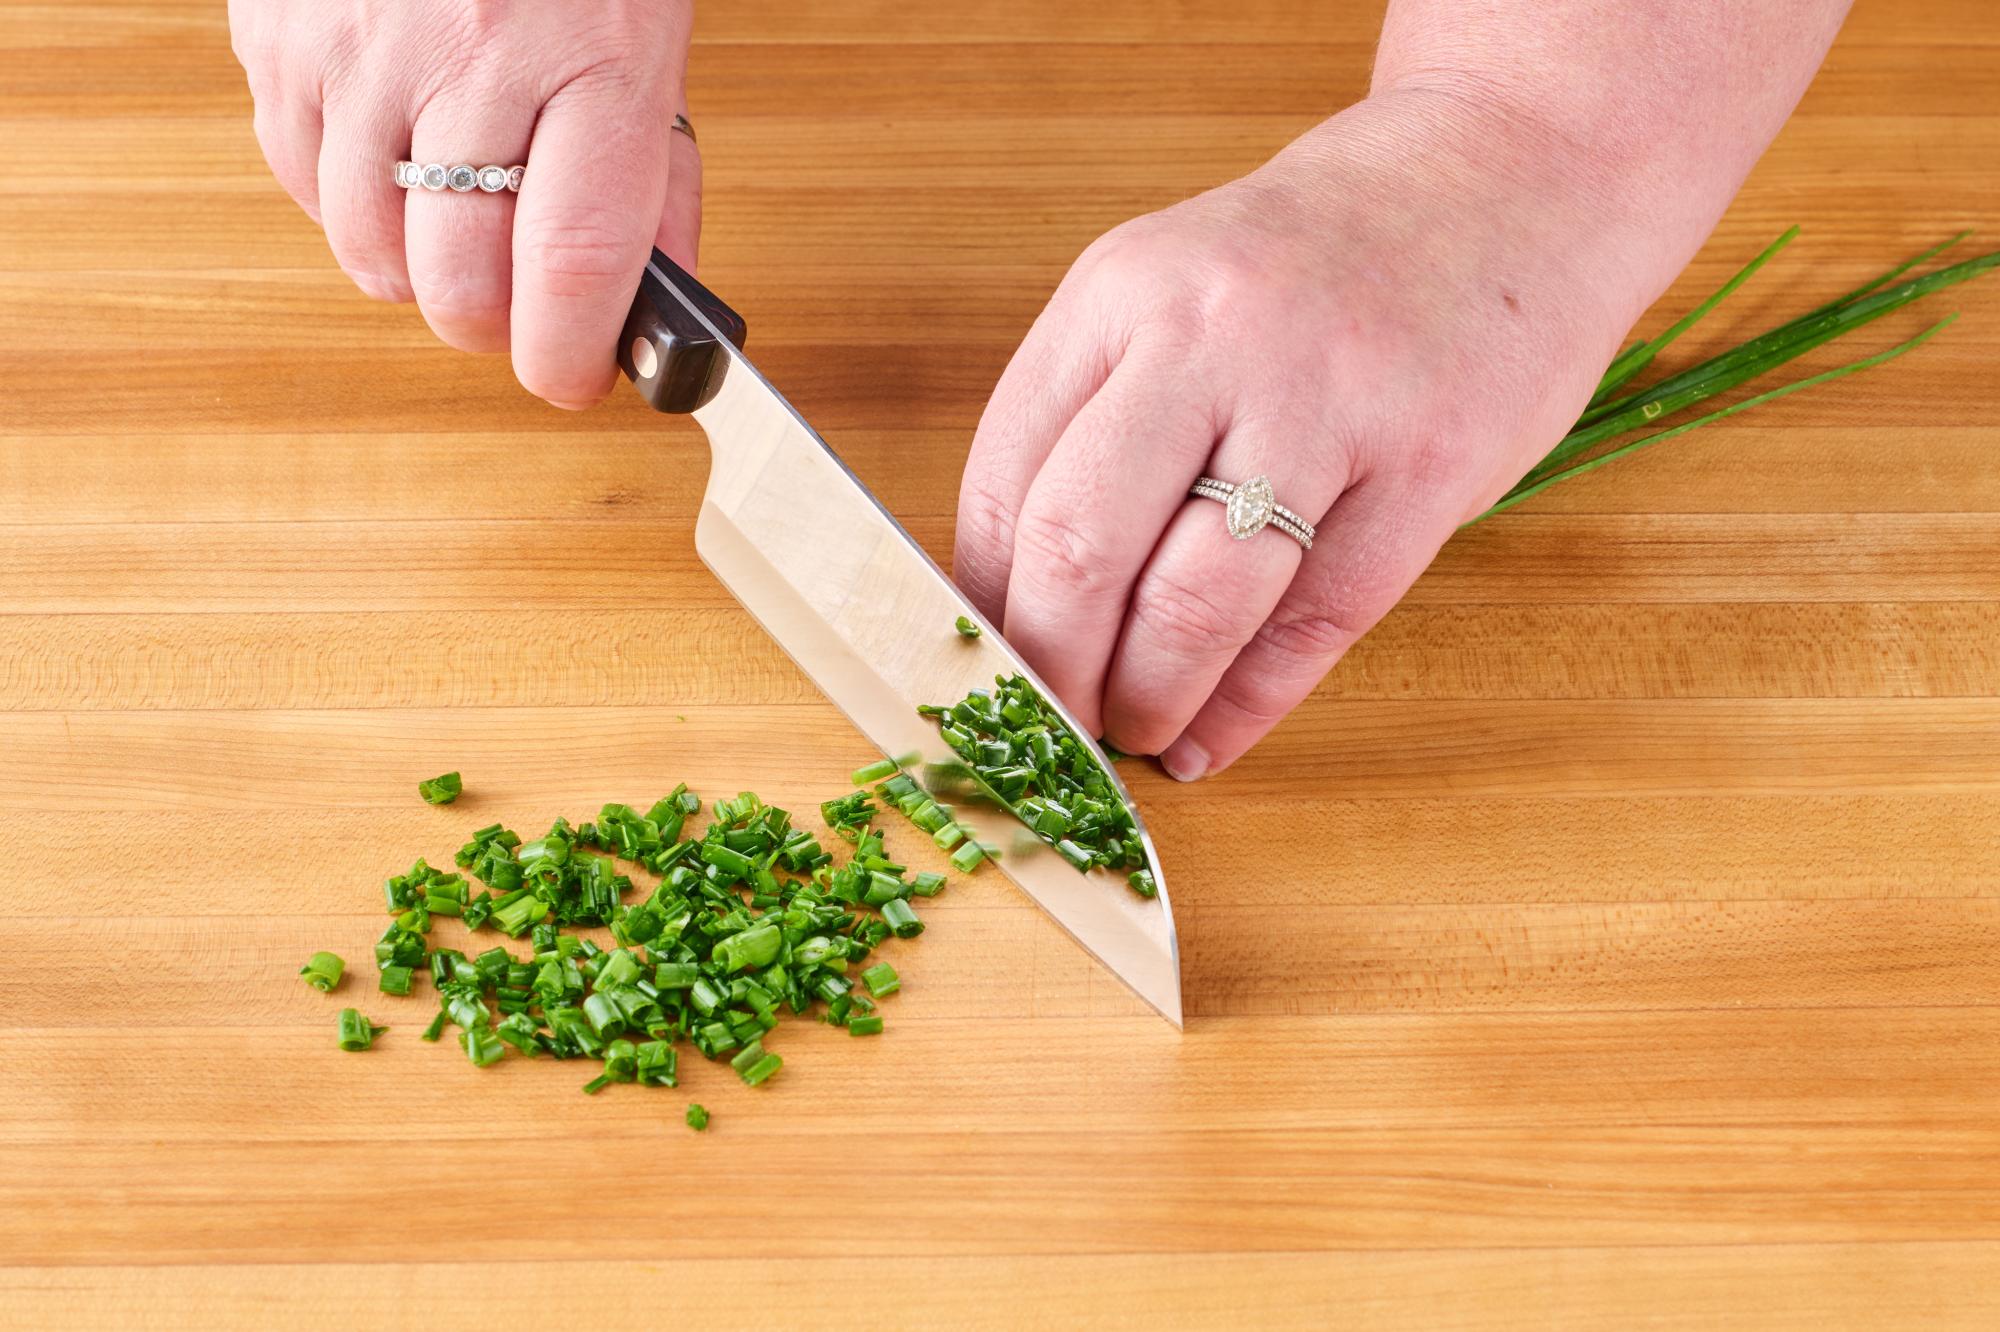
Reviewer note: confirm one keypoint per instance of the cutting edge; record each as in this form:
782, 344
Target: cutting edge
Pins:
739, 363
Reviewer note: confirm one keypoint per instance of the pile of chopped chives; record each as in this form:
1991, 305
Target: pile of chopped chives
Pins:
749, 919
1025, 756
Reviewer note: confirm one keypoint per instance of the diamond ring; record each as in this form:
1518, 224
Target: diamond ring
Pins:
1251, 507
462, 177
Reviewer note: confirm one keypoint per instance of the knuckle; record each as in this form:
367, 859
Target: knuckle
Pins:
1189, 620
1060, 556
574, 252
985, 529
459, 300
1308, 641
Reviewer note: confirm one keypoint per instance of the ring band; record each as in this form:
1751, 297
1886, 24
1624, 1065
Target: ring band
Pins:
461, 177
1249, 508
464, 178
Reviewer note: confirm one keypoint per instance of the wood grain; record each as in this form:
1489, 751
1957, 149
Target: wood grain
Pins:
1610, 941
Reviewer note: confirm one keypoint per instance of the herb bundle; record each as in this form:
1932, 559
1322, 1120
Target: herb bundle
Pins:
1613, 413
749, 919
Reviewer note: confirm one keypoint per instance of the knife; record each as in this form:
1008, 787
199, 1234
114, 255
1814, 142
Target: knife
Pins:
855, 601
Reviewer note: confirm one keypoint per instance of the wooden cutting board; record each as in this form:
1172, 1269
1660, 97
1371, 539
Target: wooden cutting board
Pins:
1614, 935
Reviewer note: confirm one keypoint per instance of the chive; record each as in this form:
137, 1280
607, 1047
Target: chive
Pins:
875, 772
1606, 418
1020, 752
697, 1118
966, 627
901, 919
864, 1026
441, 790
1142, 883
357, 1032
323, 970
481, 1046
750, 918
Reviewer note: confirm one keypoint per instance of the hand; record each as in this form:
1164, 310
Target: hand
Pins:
1393, 320
583, 95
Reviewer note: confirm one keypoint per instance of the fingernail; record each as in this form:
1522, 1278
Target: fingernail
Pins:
1185, 761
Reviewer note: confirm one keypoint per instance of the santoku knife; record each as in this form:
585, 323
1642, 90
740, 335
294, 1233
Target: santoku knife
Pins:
814, 556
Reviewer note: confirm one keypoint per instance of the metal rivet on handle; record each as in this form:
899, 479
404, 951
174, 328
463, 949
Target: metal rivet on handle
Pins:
644, 359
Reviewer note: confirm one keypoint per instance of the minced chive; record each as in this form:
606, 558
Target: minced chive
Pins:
697, 1117
901, 919
323, 970
481, 1046
1142, 883
864, 1026
966, 627
357, 1032
441, 790
751, 918
967, 857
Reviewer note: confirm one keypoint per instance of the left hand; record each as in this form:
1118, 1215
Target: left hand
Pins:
1393, 320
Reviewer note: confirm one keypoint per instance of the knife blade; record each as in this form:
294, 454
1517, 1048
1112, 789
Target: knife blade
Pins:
814, 557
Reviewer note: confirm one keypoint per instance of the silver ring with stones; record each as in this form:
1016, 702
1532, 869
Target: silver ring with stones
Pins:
461, 177
1251, 507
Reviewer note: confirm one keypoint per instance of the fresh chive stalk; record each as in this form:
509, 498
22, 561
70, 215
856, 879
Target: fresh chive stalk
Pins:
1610, 415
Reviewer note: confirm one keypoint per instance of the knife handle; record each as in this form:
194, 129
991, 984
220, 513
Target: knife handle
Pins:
671, 355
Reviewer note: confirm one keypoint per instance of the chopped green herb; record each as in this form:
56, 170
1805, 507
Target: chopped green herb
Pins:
357, 1032
751, 919
322, 971
864, 1026
697, 1118
875, 772
1019, 749
441, 790
966, 627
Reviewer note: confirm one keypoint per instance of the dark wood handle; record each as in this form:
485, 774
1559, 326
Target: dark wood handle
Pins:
668, 351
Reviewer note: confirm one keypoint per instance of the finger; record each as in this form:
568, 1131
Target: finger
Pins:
1378, 539
289, 130
590, 204
1058, 368
680, 222
1093, 515
361, 206
1204, 593
459, 245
